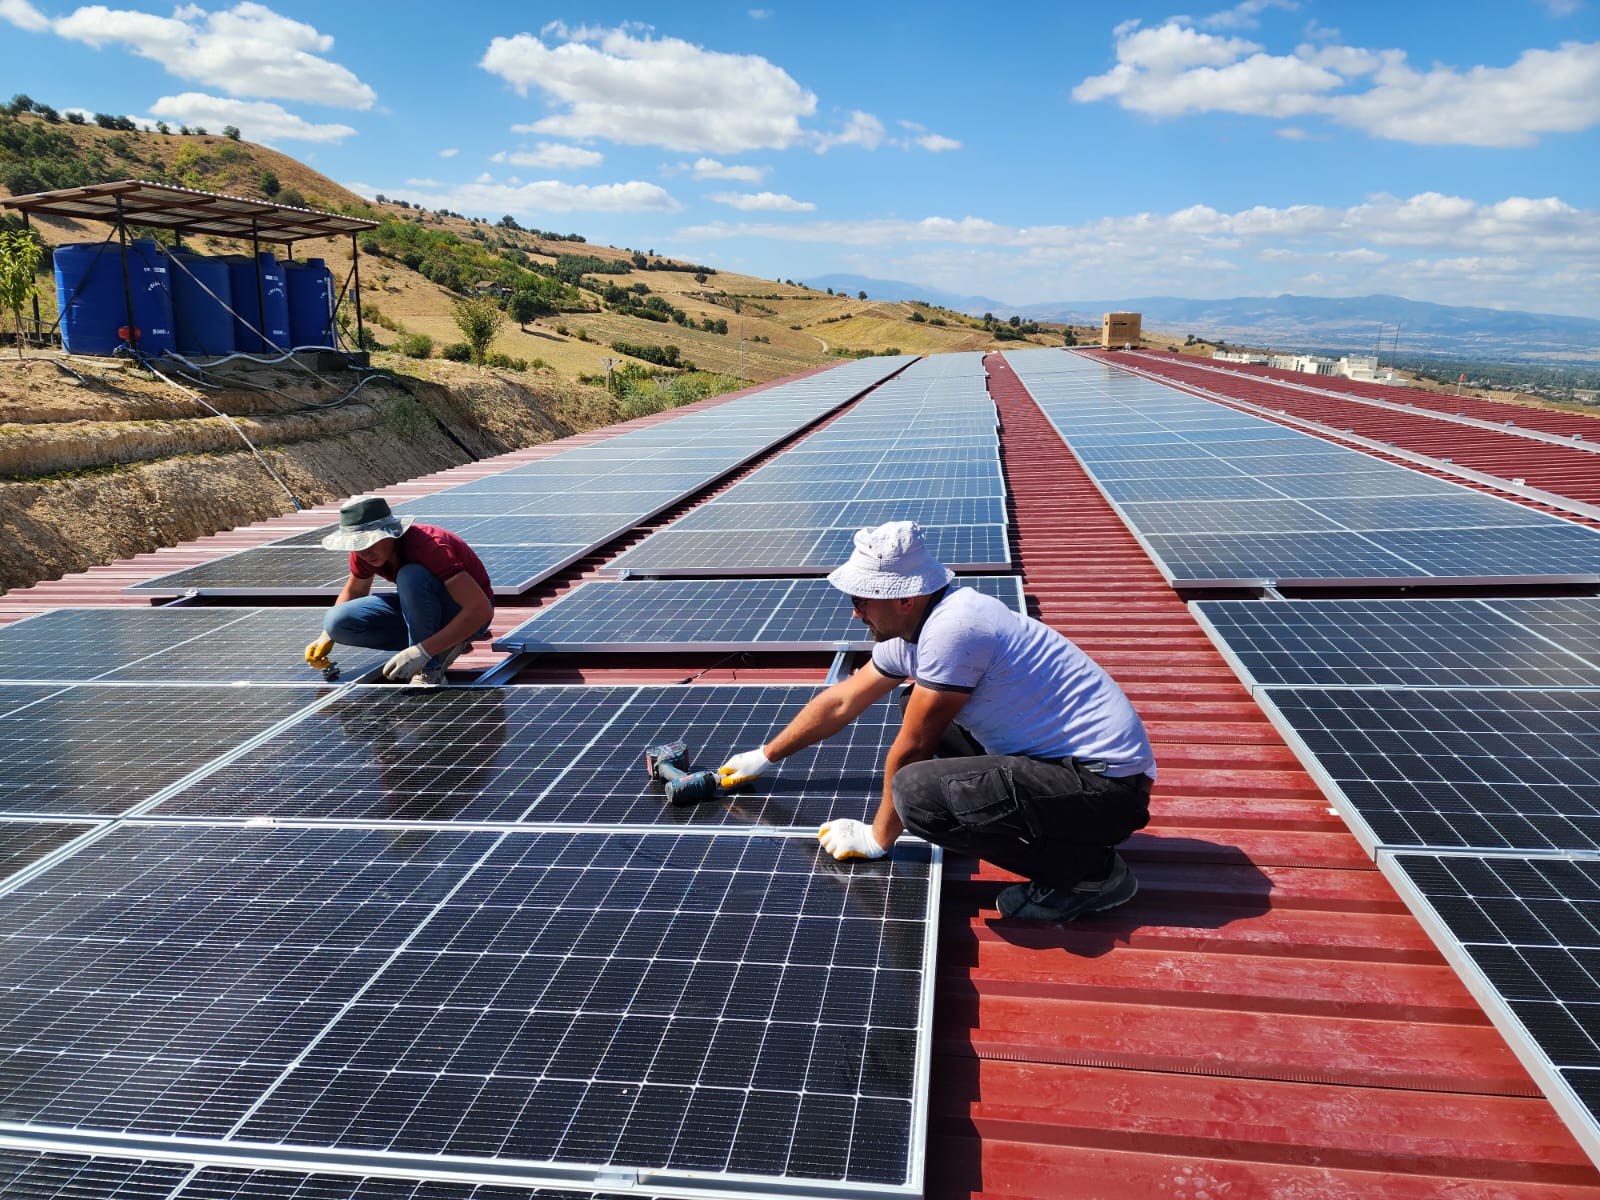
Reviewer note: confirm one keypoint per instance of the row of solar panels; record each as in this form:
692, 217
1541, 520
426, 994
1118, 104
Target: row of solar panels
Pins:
531, 521
448, 932
924, 446
1222, 498
1460, 739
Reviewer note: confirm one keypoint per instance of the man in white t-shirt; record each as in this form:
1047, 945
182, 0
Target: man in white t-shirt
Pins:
1014, 746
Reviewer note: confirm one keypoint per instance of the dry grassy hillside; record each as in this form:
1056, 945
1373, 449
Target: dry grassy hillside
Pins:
783, 328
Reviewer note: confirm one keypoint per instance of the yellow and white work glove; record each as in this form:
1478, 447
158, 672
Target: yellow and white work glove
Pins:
742, 768
849, 838
317, 653
405, 664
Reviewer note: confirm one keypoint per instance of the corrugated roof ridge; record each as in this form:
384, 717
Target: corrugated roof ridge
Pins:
1264, 1019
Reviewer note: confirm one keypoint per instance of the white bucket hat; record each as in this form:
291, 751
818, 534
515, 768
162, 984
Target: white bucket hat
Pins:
365, 521
891, 562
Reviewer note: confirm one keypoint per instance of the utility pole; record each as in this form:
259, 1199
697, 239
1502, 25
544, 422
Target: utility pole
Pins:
741, 350
606, 362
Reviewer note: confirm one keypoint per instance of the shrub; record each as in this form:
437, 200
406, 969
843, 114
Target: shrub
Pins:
457, 352
505, 361
415, 345
292, 197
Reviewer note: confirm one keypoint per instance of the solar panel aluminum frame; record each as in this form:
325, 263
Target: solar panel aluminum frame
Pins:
1572, 1111
468, 1169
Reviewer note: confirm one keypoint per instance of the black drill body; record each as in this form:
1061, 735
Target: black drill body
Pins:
669, 763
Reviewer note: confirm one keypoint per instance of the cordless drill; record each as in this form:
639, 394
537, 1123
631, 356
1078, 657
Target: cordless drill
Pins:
669, 763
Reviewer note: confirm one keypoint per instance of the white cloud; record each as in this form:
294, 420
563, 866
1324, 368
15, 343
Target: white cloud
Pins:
862, 129
249, 50
24, 16
551, 155
1539, 254
1244, 14
761, 202
921, 137
1174, 69
642, 90
759, 14
538, 196
450, 152
1544, 91
710, 168
258, 120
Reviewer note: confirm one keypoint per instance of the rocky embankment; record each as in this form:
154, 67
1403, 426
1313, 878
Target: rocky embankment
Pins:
100, 459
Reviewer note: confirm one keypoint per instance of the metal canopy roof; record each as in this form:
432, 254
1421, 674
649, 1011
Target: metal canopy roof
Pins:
186, 211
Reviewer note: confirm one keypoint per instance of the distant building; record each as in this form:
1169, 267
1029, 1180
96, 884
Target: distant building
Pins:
1364, 369
1306, 364
1250, 357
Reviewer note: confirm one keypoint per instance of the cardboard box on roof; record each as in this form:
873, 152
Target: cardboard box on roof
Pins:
1119, 328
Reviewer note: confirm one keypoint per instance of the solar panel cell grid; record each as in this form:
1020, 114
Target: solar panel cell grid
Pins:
23, 843
1491, 770
538, 755
679, 1003
1531, 930
1413, 643
96, 750
36, 1175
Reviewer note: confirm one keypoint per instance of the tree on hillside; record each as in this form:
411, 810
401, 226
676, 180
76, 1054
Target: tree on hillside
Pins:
269, 183
861, 295
20, 252
526, 304
231, 132
479, 320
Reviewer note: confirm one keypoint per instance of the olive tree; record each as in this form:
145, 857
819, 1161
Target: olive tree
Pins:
479, 320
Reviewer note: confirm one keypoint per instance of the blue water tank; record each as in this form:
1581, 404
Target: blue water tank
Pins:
202, 293
248, 297
93, 300
310, 302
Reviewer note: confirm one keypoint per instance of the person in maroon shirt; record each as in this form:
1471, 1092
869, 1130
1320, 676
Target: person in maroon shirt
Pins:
441, 602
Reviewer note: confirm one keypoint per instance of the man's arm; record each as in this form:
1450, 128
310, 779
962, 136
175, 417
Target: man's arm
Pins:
355, 587
831, 710
928, 714
476, 609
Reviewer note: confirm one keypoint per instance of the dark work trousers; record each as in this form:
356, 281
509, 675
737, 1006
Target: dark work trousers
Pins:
1054, 822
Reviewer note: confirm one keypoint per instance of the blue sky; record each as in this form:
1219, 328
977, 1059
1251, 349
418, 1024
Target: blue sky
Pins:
1439, 151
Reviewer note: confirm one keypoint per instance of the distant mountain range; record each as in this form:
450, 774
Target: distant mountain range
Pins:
1302, 323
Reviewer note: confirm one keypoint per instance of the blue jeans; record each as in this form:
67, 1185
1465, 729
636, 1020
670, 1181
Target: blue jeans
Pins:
417, 609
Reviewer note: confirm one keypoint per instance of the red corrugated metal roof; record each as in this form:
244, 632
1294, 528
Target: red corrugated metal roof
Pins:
1264, 1019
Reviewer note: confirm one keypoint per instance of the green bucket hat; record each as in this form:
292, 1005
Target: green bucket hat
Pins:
365, 521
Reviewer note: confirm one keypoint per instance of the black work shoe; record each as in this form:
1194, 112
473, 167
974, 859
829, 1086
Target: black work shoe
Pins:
1035, 902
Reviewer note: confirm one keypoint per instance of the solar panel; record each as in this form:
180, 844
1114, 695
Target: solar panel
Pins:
194, 645
1538, 643
1524, 934
542, 754
709, 614
735, 1012
23, 843
1489, 770
99, 750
